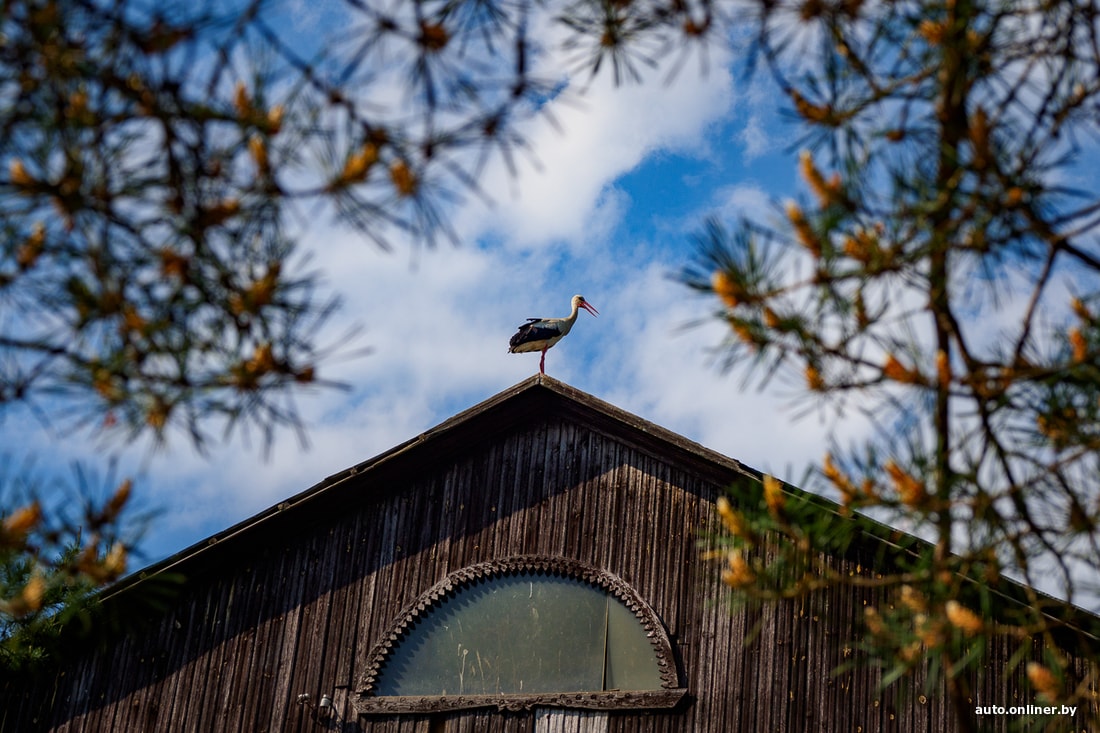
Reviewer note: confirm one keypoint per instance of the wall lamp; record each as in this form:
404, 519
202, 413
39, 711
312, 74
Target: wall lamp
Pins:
322, 711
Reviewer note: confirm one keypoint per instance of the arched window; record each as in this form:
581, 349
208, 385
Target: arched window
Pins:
520, 633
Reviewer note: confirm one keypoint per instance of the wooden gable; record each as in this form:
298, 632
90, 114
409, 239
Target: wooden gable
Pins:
296, 601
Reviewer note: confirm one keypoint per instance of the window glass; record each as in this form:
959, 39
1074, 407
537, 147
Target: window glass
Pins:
632, 665
526, 633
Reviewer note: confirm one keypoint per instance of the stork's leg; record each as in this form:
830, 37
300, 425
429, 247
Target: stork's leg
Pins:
542, 362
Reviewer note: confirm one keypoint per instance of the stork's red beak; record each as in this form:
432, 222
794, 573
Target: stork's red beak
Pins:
590, 308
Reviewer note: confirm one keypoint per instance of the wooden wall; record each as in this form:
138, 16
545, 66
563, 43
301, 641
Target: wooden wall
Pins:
296, 605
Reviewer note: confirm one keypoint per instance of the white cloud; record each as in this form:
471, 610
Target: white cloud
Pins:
608, 133
754, 139
745, 200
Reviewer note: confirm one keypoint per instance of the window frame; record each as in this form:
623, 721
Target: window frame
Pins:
367, 701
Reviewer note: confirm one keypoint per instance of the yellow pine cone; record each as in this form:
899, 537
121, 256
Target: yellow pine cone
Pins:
725, 288
1080, 345
1043, 680
16, 526
910, 490
963, 619
734, 522
359, 164
737, 574
773, 494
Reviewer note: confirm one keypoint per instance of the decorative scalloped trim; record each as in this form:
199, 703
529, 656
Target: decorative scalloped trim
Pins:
613, 700
517, 565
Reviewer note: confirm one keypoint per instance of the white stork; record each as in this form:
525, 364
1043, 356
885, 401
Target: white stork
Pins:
539, 334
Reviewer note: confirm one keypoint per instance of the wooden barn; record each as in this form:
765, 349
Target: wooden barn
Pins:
532, 564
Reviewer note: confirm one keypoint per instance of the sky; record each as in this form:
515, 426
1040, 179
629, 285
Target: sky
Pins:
622, 182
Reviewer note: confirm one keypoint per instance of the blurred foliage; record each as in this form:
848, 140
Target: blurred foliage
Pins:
939, 277
54, 556
939, 274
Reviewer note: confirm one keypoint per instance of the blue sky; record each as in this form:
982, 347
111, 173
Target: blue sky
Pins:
609, 212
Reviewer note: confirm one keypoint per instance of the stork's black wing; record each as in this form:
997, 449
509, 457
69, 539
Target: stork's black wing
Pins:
529, 332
